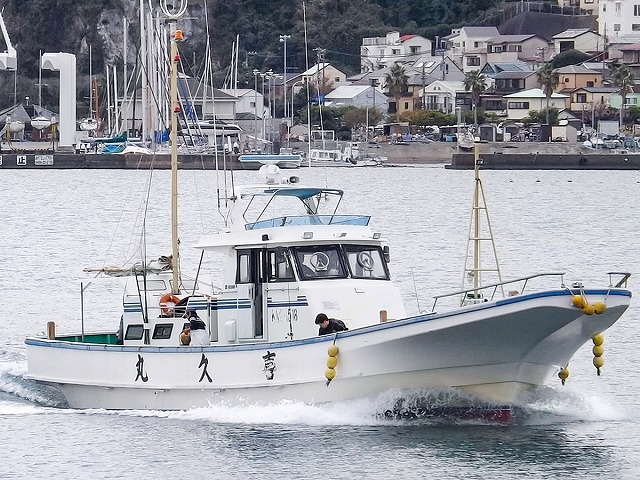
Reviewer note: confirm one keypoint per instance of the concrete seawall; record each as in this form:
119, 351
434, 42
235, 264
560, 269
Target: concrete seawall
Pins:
499, 155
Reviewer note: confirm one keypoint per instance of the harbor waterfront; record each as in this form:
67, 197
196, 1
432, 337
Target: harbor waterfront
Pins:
495, 155
542, 220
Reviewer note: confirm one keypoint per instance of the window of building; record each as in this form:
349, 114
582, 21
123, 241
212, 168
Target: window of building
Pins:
604, 7
636, 10
414, 49
616, 27
395, 51
590, 84
519, 105
566, 80
496, 49
581, 98
618, 7
494, 105
473, 61
476, 44
635, 27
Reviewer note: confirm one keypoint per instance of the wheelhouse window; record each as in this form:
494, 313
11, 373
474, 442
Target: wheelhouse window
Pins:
280, 268
243, 274
162, 331
319, 262
366, 262
134, 332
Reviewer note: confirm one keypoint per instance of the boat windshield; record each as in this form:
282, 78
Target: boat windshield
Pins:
310, 220
340, 261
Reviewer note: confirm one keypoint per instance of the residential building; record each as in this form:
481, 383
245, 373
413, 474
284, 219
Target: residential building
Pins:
381, 52
505, 83
631, 99
581, 39
577, 76
358, 96
618, 18
505, 48
585, 99
631, 58
467, 46
444, 96
587, 7
324, 77
519, 104
249, 101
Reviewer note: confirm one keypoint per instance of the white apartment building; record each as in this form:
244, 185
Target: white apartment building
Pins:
619, 18
381, 52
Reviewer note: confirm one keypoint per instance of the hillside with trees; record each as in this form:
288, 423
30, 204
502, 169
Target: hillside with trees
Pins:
335, 26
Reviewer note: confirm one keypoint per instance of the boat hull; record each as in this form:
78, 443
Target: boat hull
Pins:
495, 350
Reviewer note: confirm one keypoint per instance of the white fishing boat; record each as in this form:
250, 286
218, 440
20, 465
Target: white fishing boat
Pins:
351, 156
285, 159
258, 341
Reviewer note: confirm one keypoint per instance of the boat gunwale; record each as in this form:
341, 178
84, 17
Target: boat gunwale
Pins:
416, 319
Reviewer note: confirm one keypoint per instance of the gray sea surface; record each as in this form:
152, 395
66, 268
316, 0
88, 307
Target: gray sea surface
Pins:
584, 223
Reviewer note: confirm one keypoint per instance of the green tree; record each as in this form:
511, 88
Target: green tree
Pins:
623, 79
548, 79
569, 57
397, 84
476, 83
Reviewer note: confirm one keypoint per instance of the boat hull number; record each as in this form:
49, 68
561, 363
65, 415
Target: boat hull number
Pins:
284, 315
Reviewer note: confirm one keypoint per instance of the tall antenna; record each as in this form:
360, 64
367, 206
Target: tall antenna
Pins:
480, 237
173, 13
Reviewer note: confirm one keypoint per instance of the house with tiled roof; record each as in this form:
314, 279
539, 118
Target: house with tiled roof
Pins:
380, 52
586, 99
577, 76
631, 58
581, 39
504, 48
519, 103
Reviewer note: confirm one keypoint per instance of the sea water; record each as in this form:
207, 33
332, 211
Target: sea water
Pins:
56, 223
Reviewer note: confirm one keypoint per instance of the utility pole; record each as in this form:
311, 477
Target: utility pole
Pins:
320, 55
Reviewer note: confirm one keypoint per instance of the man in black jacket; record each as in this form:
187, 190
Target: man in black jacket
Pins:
329, 325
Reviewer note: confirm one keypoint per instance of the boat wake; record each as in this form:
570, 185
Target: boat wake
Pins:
436, 407
19, 395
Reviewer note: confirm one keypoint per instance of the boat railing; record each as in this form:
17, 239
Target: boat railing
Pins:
296, 220
475, 295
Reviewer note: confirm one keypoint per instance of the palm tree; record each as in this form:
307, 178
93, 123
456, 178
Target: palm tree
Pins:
548, 80
397, 84
623, 79
476, 83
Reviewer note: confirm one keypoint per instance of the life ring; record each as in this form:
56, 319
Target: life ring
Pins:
168, 297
